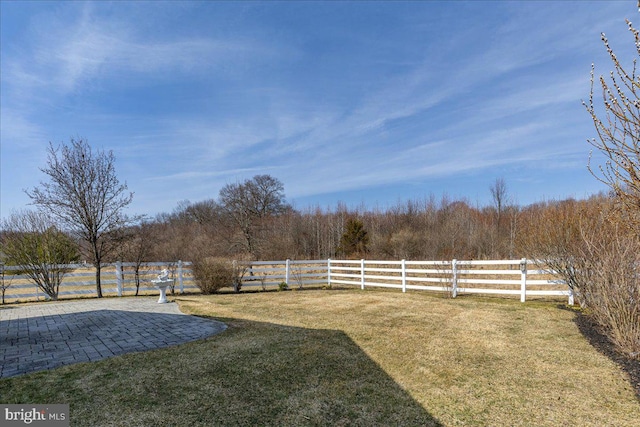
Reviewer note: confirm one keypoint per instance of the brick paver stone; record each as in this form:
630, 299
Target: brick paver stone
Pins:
47, 335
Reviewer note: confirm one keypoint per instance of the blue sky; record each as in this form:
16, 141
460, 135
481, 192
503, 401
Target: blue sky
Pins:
365, 103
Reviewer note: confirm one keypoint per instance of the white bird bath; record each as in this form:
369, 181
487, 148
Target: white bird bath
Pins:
161, 283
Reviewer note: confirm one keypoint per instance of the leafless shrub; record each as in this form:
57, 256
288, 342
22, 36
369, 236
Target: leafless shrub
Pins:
611, 251
212, 274
263, 278
239, 271
297, 273
611, 283
551, 236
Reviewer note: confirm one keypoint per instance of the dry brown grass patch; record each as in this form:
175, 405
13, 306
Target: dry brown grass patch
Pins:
468, 360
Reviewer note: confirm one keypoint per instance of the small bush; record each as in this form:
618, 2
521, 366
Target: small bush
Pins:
213, 274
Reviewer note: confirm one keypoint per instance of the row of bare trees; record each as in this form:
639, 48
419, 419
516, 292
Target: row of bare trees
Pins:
430, 228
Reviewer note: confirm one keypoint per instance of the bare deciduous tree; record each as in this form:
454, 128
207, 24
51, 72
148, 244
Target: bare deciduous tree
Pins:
499, 194
249, 204
84, 193
137, 248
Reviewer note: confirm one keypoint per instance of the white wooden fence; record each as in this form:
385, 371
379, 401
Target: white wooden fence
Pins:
288, 273
116, 279
497, 277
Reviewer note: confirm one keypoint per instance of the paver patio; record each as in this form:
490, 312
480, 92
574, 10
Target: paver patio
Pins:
43, 336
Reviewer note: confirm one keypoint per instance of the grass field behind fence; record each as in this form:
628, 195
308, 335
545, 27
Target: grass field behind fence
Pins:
352, 357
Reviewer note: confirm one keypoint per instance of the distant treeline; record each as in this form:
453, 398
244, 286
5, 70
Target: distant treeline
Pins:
428, 229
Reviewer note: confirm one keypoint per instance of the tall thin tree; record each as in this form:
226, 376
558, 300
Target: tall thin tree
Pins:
84, 193
499, 194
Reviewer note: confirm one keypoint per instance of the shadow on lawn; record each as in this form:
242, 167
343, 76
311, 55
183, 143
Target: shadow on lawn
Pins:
254, 373
275, 375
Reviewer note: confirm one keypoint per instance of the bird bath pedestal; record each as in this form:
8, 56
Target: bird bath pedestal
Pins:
161, 283
162, 286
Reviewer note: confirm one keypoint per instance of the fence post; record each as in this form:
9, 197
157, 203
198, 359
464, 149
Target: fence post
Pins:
404, 276
362, 274
523, 280
180, 276
454, 280
571, 296
287, 271
119, 277
329, 272
237, 284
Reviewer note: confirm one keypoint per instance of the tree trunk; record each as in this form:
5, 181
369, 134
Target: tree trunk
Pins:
137, 279
98, 287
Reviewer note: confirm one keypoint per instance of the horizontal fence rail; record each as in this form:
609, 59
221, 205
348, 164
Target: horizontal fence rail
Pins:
283, 274
117, 279
521, 278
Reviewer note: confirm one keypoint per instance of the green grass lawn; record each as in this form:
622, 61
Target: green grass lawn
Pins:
352, 357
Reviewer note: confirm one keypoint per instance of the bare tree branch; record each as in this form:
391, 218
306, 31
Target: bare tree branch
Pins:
84, 193
617, 124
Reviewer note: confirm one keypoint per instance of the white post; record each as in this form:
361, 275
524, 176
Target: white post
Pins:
454, 280
362, 274
404, 276
329, 272
571, 296
237, 284
523, 280
119, 277
287, 271
180, 282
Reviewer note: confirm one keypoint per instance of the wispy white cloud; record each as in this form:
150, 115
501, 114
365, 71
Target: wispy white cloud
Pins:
347, 150
189, 106
17, 127
161, 175
89, 47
